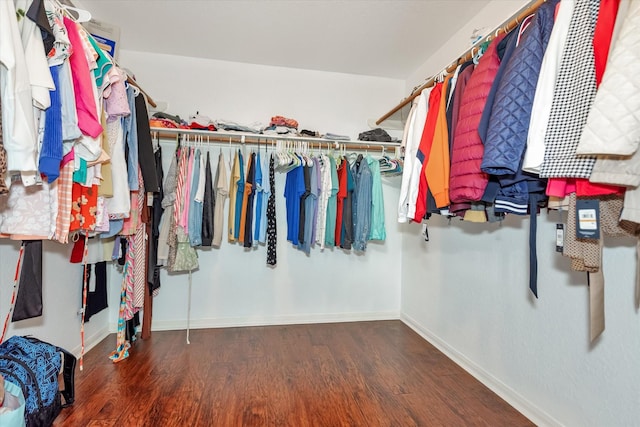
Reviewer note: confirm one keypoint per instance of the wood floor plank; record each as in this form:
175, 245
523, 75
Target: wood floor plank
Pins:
343, 374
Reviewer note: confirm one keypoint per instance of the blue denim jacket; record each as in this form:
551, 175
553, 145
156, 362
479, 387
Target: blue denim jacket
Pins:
131, 138
362, 205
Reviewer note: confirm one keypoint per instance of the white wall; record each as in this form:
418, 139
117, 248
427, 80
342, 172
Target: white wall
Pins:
61, 295
234, 286
492, 15
318, 100
466, 291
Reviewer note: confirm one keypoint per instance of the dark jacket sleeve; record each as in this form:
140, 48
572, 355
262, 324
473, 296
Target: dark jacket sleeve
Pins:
146, 158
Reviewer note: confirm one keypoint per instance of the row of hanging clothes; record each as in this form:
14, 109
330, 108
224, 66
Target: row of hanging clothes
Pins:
545, 115
194, 202
329, 201
66, 135
332, 199
77, 159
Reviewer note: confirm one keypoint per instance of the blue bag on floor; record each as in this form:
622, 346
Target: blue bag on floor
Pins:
34, 365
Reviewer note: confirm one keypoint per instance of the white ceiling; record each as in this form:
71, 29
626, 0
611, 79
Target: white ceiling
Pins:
386, 38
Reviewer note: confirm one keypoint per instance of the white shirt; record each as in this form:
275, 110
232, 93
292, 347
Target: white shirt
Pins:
199, 196
412, 167
36, 59
119, 205
18, 124
541, 109
323, 201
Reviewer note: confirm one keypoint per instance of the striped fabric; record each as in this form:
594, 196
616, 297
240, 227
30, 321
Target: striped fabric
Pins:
130, 263
186, 183
122, 346
139, 270
182, 172
63, 219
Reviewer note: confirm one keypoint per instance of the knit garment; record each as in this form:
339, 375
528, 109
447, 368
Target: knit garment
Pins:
51, 151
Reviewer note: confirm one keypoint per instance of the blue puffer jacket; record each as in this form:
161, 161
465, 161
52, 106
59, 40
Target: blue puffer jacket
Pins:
509, 122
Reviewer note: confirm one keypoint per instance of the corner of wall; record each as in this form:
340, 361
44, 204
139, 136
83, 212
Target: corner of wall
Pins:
492, 15
508, 394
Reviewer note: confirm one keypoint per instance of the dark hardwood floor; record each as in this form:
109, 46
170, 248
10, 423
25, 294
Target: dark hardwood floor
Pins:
341, 374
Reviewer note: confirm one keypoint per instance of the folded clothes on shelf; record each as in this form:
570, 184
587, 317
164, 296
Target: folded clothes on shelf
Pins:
279, 130
310, 133
201, 122
228, 125
283, 121
377, 134
336, 137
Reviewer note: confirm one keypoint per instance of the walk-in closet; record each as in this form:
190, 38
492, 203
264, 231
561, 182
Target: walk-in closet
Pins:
320, 213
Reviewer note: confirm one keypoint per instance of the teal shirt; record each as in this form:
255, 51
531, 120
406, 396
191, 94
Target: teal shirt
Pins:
378, 231
332, 207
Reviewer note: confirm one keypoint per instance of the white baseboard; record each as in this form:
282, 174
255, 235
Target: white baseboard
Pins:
230, 322
524, 406
92, 341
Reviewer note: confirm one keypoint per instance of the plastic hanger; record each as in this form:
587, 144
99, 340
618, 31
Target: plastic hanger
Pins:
82, 14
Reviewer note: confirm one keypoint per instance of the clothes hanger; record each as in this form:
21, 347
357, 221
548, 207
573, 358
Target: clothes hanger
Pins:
82, 14
282, 155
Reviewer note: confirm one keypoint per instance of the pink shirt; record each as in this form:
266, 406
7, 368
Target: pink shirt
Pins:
88, 120
184, 219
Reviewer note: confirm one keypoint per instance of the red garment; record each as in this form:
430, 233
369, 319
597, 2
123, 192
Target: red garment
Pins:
342, 194
84, 207
77, 252
283, 121
467, 182
560, 187
424, 149
198, 126
601, 44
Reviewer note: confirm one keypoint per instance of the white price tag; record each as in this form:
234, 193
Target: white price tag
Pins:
587, 219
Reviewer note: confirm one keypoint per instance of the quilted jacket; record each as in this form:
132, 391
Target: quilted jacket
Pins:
509, 123
613, 126
467, 181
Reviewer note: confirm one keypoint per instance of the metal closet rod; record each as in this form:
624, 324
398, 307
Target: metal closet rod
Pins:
255, 139
505, 27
